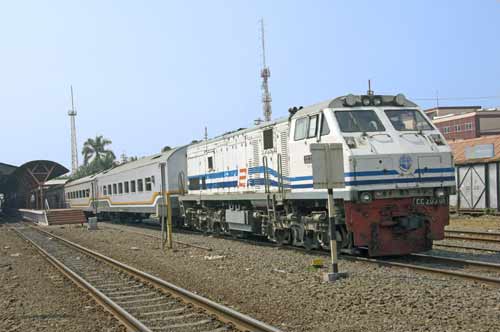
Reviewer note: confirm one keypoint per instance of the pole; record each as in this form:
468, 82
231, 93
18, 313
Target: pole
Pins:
169, 226
162, 206
333, 235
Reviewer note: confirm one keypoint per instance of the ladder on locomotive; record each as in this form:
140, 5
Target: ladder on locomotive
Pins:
271, 201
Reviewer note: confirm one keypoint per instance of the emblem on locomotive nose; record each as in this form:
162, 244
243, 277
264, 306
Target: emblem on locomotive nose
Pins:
405, 163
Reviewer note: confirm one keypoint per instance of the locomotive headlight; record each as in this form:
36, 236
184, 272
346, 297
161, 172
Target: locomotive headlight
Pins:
366, 197
400, 99
350, 100
366, 101
439, 192
377, 101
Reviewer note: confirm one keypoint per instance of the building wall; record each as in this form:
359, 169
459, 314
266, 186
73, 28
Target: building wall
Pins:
489, 124
459, 128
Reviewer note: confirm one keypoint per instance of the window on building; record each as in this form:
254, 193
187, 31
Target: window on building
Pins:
458, 128
148, 184
210, 162
126, 187
268, 138
468, 126
115, 191
120, 188
313, 126
132, 186
140, 185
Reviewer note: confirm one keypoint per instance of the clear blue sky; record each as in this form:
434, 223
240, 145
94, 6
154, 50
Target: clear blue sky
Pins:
154, 73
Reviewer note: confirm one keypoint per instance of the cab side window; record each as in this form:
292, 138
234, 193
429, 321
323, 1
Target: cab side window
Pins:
313, 126
301, 128
325, 130
308, 127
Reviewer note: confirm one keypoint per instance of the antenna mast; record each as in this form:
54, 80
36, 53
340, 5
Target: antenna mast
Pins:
74, 152
265, 73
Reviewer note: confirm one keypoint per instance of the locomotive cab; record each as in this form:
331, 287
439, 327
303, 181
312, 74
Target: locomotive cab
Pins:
398, 170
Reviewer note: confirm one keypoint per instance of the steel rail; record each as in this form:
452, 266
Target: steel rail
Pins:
495, 281
123, 316
466, 231
457, 260
223, 313
445, 245
471, 238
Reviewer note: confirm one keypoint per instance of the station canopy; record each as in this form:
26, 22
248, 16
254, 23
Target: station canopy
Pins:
17, 183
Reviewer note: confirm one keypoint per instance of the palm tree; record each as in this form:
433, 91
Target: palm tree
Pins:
95, 149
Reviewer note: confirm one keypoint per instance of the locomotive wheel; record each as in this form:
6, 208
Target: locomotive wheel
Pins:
282, 236
309, 240
217, 229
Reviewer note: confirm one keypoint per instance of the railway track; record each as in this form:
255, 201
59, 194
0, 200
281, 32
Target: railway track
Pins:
139, 300
475, 236
455, 246
453, 270
431, 263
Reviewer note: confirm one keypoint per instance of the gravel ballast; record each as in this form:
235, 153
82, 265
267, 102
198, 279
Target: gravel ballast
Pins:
279, 286
34, 295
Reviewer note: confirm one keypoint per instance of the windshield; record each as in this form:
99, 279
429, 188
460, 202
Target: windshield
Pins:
358, 121
408, 120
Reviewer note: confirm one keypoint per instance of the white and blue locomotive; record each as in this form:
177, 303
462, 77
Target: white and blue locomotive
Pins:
399, 173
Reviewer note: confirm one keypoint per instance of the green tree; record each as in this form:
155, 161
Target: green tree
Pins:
96, 157
95, 149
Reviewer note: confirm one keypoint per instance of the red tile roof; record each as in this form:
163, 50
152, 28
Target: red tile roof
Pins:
458, 148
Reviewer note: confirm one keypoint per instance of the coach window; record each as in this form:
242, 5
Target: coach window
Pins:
140, 185
268, 138
109, 189
313, 126
114, 189
87, 192
300, 129
104, 192
148, 184
132, 186
126, 187
120, 188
